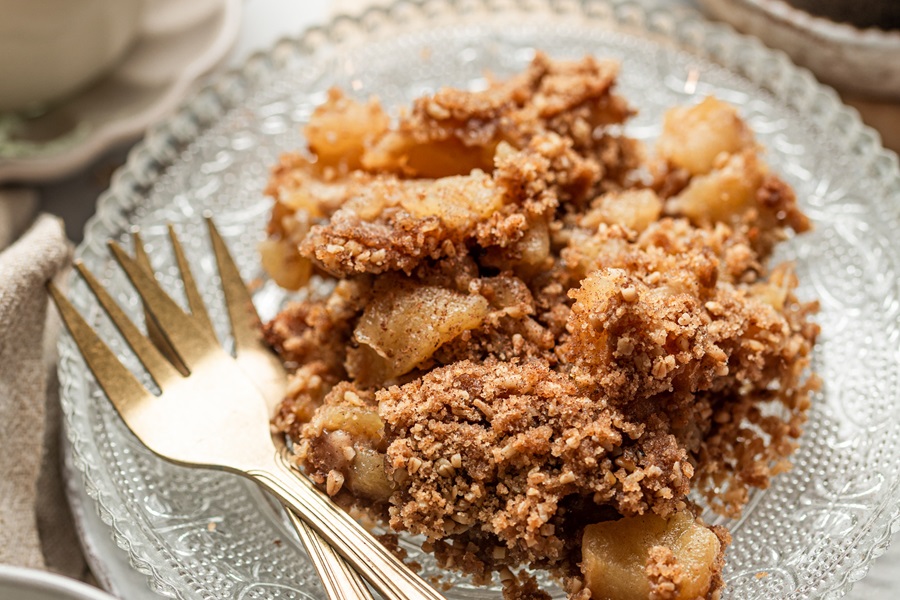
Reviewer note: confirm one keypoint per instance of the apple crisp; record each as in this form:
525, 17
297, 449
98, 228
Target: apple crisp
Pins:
542, 342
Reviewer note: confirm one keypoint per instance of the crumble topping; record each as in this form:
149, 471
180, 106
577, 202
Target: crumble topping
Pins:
539, 328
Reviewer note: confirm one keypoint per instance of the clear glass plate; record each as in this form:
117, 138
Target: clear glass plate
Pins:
200, 534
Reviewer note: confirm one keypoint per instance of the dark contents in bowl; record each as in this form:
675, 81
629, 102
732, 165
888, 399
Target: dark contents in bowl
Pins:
882, 14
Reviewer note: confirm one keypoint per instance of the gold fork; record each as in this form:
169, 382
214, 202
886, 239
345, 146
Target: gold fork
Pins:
262, 366
216, 417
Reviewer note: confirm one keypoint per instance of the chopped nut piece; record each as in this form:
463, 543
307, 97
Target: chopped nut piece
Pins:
444, 468
334, 482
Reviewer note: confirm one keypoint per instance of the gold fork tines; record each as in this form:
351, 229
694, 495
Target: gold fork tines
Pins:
217, 416
256, 358
259, 361
261, 365
153, 331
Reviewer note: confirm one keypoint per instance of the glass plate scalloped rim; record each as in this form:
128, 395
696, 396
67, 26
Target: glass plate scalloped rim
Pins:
831, 513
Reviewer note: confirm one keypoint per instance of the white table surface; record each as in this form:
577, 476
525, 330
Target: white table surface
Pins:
73, 198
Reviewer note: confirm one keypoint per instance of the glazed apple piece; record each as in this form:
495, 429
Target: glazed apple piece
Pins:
724, 193
341, 129
407, 322
618, 558
694, 137
348, 435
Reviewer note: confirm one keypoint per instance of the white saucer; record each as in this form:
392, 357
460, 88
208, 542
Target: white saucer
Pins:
177, 43
30, 584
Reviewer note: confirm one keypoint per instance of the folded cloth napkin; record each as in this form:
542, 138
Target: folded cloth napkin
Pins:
36, 527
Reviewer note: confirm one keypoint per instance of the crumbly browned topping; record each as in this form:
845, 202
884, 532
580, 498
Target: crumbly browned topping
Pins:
664, 574
454, 131
534, 326
500, 446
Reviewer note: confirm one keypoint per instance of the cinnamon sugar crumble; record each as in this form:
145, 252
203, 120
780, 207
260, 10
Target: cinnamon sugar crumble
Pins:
537, 324
664, 574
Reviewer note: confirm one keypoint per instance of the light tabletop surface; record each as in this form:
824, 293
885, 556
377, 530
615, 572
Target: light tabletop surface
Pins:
73, 198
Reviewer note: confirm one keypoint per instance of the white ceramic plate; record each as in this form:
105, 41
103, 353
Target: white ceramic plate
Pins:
30, 584
177, 43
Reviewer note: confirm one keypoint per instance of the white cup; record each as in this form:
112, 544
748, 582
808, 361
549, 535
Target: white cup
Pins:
51, 48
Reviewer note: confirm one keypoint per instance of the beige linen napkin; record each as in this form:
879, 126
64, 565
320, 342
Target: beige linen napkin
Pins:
35, 524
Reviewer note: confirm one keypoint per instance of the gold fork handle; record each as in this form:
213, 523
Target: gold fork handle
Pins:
387, 574
340, 580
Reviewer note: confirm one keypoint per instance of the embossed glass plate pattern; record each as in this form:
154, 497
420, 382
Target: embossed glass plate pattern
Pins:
812, 534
